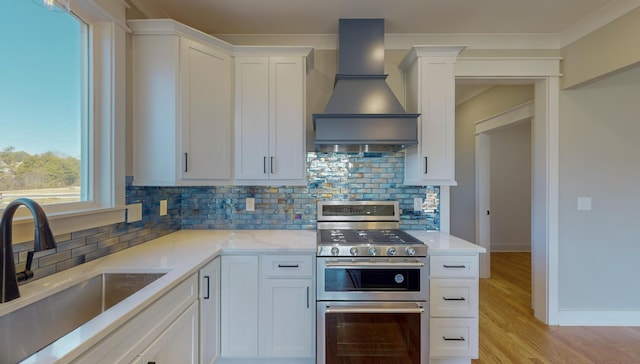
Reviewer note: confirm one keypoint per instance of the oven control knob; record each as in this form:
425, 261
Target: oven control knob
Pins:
391, 251
373, 251
353, 251
335, 251
410, 251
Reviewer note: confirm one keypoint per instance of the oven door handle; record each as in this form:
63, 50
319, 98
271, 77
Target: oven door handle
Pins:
355, 309
373, 264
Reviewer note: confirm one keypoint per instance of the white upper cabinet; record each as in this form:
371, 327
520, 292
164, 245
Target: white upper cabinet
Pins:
182, 106
430, 84
270, 117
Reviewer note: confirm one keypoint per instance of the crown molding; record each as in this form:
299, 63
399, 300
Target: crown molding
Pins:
595, 21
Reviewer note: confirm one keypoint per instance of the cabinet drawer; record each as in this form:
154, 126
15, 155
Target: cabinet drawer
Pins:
286, 265
454, 297
453, 338
453, 266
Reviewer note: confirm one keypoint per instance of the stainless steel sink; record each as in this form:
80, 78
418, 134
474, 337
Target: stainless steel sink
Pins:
25, 331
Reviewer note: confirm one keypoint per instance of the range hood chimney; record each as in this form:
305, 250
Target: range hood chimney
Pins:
363, 114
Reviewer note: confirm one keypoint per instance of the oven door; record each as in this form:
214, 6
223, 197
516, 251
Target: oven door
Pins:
372, 332
377, 279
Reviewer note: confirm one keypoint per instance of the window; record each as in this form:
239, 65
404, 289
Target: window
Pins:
62, 102
44, 147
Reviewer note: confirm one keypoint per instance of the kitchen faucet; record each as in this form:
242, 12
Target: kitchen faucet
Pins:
43, 239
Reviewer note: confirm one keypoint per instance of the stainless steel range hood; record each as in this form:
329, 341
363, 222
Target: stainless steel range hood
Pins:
363, 114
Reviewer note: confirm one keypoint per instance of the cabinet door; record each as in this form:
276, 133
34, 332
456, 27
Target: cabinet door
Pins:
431, 89
252, 118
287, 318
156, 59
178, 343
287, 156
206, 113
239, 306
210, 312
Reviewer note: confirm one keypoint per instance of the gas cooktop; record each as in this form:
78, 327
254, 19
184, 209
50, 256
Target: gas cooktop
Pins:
354, 242
364, 228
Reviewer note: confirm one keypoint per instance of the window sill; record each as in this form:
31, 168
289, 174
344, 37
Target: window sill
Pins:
67, 222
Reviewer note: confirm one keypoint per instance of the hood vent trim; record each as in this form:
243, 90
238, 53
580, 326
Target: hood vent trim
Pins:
363, 114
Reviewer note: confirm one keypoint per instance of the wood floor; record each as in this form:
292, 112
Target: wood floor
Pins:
510, 334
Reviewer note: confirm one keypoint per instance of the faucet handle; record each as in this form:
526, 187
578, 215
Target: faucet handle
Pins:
27, 273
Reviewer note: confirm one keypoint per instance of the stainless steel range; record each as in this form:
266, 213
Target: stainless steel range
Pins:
364, 228
372, 286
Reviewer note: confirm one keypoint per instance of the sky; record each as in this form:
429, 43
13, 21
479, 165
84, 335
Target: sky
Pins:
39, 79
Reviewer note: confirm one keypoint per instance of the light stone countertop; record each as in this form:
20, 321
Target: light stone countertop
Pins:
180, 255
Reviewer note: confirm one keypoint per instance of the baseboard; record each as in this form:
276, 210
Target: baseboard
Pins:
511, 247
598, 318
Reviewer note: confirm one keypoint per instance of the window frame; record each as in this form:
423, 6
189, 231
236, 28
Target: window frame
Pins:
106, 30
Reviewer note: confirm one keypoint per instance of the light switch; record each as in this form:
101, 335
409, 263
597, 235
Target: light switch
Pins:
251, 204
584, 203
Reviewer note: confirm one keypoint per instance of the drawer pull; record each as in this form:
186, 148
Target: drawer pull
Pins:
288, 265
460, 266
454, 299
453, 338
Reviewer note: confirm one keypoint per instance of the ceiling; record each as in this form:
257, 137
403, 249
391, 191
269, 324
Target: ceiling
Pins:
401, 16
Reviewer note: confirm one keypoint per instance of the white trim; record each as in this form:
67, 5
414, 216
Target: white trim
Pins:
68, 222
553, 185
483, 201
515, 67
172, 27
598, 318
510, 117
545, 167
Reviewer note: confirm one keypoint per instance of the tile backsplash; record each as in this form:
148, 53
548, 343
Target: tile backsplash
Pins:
331, 176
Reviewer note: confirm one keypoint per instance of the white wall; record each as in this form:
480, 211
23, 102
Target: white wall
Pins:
599, 250
511, 188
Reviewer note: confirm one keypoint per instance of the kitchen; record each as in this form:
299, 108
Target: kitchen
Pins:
224, 208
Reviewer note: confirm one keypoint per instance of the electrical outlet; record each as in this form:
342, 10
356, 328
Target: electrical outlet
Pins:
163, 207
251, 204
134, 212
417, 204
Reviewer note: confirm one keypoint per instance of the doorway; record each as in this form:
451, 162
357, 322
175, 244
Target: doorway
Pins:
543, 113
503, 182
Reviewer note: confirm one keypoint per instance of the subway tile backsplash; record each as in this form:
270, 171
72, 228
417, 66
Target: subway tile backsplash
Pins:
331, 176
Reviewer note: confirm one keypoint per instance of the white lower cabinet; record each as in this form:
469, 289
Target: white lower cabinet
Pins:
453, 294
210, 312
164, 332
177, 344
239, 316
268, 309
